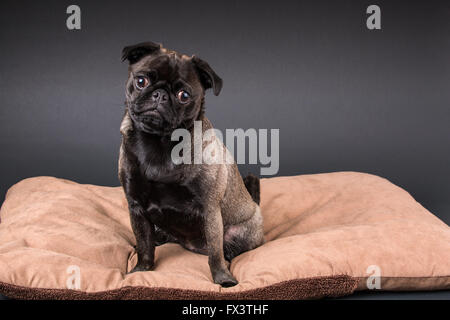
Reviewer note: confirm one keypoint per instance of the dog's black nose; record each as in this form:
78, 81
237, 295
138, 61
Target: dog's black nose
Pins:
160, 95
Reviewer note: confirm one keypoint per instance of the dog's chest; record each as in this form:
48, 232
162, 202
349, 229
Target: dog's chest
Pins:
169, 200
159, 167
175, 208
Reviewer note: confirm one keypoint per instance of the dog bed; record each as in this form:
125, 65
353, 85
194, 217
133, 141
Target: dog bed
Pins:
327, 235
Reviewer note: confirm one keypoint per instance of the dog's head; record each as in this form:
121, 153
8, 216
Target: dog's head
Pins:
165, 90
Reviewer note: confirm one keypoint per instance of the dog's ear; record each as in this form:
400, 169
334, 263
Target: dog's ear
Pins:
208, 77
135, 53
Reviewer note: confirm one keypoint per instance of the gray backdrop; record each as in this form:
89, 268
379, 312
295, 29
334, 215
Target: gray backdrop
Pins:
343, 97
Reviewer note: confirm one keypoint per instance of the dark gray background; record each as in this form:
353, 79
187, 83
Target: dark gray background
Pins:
343, 97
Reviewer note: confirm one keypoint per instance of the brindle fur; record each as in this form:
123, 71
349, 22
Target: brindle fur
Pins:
206, 208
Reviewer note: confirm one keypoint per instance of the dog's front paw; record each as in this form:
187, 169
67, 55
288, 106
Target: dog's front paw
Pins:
142, 267
225, 279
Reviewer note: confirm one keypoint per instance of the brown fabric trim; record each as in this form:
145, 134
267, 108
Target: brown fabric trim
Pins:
408, 283
309, 288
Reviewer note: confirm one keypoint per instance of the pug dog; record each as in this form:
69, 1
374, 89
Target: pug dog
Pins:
206, 208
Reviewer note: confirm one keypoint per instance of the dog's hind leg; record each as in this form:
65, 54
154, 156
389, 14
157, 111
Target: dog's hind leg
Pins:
243, 237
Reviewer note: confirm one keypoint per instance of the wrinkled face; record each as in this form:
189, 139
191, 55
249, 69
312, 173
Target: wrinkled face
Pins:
165, 90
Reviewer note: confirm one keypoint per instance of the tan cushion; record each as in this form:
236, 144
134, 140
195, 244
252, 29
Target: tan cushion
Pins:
323, 232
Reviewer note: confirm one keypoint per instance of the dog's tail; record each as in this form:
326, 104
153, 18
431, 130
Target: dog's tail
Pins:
253, 186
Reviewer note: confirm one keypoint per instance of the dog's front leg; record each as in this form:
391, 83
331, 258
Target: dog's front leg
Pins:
143, 230
214, 239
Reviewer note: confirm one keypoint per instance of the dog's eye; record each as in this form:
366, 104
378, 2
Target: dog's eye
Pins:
141, 82
183, 96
